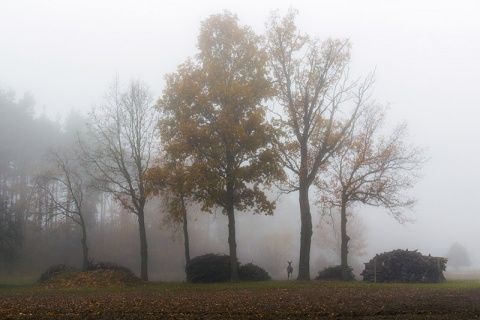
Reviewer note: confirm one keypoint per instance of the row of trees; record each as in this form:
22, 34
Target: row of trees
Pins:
222, 142
230, 121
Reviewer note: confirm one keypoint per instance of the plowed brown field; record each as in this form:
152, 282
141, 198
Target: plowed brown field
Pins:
308, 302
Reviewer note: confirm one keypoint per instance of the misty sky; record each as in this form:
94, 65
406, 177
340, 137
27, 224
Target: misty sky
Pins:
426, 55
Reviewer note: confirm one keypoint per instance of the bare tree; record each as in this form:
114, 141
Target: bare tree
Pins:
123, 131
67, 187
372, 170
319, 107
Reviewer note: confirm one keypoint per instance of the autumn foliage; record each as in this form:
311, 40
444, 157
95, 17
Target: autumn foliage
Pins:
214, 121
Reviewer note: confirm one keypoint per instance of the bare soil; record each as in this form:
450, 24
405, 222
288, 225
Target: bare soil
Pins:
309, 302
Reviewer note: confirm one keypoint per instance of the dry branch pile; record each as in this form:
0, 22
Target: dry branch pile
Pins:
404, 266
100, 275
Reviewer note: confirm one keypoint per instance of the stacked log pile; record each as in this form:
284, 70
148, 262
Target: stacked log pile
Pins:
404, 266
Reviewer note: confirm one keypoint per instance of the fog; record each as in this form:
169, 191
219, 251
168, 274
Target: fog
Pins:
426, 58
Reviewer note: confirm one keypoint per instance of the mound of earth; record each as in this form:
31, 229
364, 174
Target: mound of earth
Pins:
92, 279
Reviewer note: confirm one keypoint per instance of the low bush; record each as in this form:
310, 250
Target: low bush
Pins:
251, 272
210, 268
333, 273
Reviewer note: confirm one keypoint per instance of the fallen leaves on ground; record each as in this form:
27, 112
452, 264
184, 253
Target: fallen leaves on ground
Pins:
315, 302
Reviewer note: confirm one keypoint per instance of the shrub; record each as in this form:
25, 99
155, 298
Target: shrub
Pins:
251, 272
211, 268
208, 268
54, 271
333, 273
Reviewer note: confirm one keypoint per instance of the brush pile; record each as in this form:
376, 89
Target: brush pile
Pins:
404, 266
99, 275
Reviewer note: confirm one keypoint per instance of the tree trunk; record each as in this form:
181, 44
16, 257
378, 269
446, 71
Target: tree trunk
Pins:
345, 239
85, 253
185, 231
230, 208
84, 243
143, 247
305, 233
232, 242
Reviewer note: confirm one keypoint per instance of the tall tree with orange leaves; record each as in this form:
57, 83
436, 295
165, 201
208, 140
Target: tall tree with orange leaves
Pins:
213, 119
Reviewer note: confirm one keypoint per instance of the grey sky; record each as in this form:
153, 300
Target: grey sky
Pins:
426, 55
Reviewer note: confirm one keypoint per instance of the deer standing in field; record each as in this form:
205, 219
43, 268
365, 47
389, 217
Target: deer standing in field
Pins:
289, 270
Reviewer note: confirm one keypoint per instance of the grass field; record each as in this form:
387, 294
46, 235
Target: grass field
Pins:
29, 283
